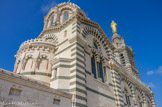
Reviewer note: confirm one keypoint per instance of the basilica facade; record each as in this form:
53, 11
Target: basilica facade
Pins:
73, 56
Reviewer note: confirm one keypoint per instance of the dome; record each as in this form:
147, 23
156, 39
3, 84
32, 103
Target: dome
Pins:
62, 13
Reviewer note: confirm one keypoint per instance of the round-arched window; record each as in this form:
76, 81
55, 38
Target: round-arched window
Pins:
66, 16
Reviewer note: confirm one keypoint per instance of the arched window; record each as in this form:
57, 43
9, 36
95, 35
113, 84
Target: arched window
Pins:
127, 97
93, 66
100, 71
52, 20
66, 16
95, 45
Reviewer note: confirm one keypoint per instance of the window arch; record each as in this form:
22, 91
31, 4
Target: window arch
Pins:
126, 92
97, 68
127, 98
66, 15
139, 101
93, 66
148, 101
139, 97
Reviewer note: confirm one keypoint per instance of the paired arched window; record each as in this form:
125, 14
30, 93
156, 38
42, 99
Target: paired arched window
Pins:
97, 67
66, 15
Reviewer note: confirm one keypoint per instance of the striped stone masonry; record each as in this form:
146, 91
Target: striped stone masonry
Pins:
117, 88
78, 75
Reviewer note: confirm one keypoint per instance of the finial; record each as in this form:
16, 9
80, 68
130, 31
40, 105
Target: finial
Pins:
69, 1
114, 27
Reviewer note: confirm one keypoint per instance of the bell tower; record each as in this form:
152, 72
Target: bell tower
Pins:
123, 53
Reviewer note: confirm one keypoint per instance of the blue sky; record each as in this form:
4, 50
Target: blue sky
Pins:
139, 22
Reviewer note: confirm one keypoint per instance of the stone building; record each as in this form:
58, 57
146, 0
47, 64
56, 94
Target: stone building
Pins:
19, 91
73, 54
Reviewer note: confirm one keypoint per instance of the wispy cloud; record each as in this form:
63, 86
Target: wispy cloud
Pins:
151, 85
46, 8
157, 71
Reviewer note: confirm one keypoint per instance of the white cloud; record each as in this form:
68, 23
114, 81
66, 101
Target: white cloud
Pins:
157, 71
150, 72
46, 8
151, 85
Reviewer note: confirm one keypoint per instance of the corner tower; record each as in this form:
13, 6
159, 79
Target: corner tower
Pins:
123, 53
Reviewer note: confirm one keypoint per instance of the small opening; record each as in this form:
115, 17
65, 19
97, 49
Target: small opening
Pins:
65, 33
55, 74
56, 101
14, 92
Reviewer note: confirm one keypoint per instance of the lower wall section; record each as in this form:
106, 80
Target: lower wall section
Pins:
99, 99
19, 91
99, 94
